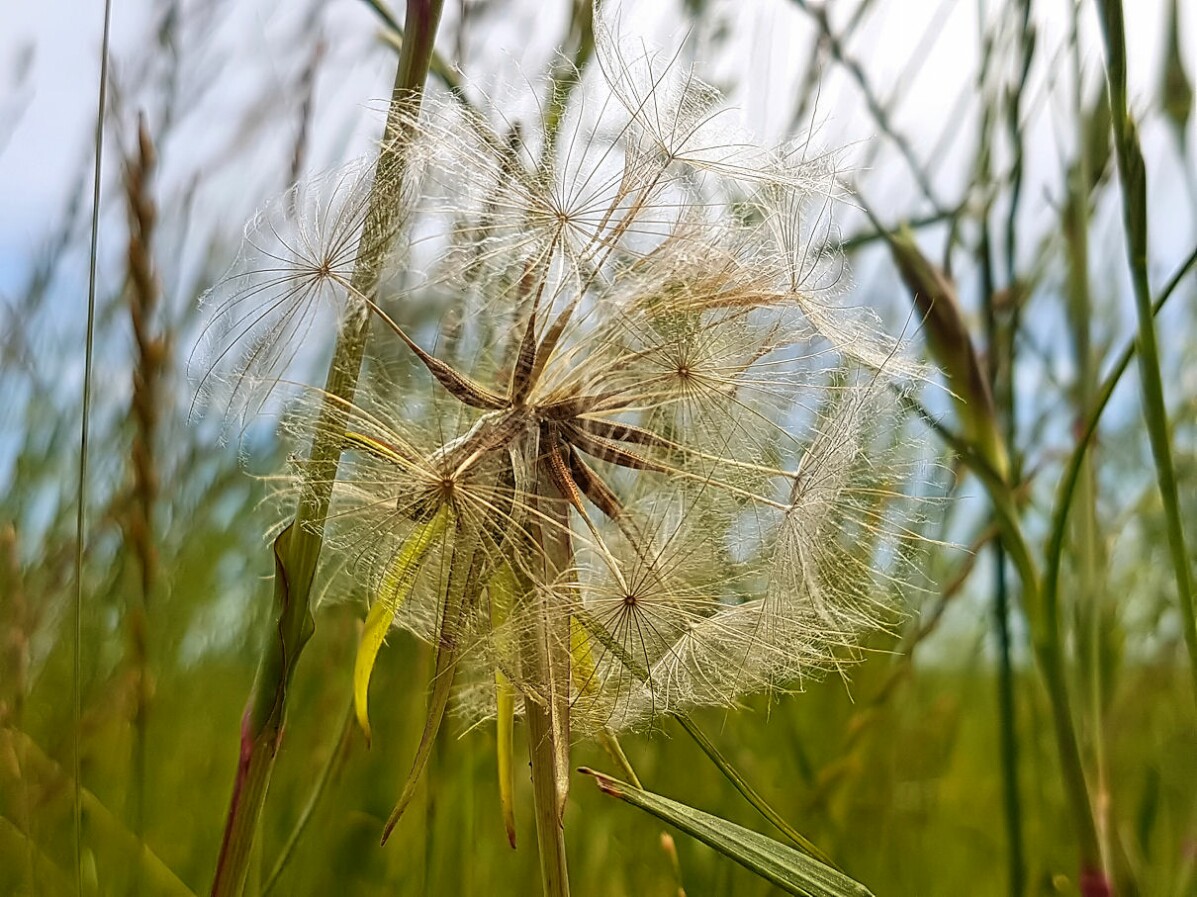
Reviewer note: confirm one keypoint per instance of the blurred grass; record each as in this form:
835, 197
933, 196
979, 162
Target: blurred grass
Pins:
895, 773
914, 808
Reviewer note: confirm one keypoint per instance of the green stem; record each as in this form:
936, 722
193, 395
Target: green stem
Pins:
1007, 718
1132, 173
1043, 616
550, 833
309, 808
84, 438
1076, 461
614, 750
393, 34
876, 108
297, 550
1091, 598
1000, 368
749, 793
547, 653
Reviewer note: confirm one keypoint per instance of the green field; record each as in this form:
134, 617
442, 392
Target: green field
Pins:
865, 450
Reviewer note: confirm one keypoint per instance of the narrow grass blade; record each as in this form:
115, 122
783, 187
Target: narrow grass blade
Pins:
84, 435
789, 869
309, 808
749, 793
1132, 172
396, 586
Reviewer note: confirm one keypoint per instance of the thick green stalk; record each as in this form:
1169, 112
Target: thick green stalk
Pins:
297, 549
1132, 172
546, 652
550, 833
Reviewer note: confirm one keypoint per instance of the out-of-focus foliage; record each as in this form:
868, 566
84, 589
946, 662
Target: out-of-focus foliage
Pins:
894, 772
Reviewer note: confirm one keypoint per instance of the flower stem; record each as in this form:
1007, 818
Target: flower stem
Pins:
550, 833
749, 793
547, 652
309, 808
1132, 173
298, 548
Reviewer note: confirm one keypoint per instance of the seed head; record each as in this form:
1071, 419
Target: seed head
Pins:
664, 438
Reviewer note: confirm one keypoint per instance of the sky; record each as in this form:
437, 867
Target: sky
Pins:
49, 68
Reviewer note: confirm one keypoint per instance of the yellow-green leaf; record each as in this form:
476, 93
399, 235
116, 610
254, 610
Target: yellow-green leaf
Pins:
396, 585
585, 678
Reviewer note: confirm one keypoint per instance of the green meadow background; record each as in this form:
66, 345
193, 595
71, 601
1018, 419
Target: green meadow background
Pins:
929, 769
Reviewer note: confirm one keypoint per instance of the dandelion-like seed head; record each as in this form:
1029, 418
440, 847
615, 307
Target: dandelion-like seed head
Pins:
654, 437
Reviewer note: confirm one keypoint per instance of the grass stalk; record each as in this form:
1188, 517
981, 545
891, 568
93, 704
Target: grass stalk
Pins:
1001, 332
749, 793
614, 749
1001, 359
1002, 345
1072, 470
877, 109
1132, 172
84, 435
309, 807
392, 33
297, 549
1090, 607
1047, 640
